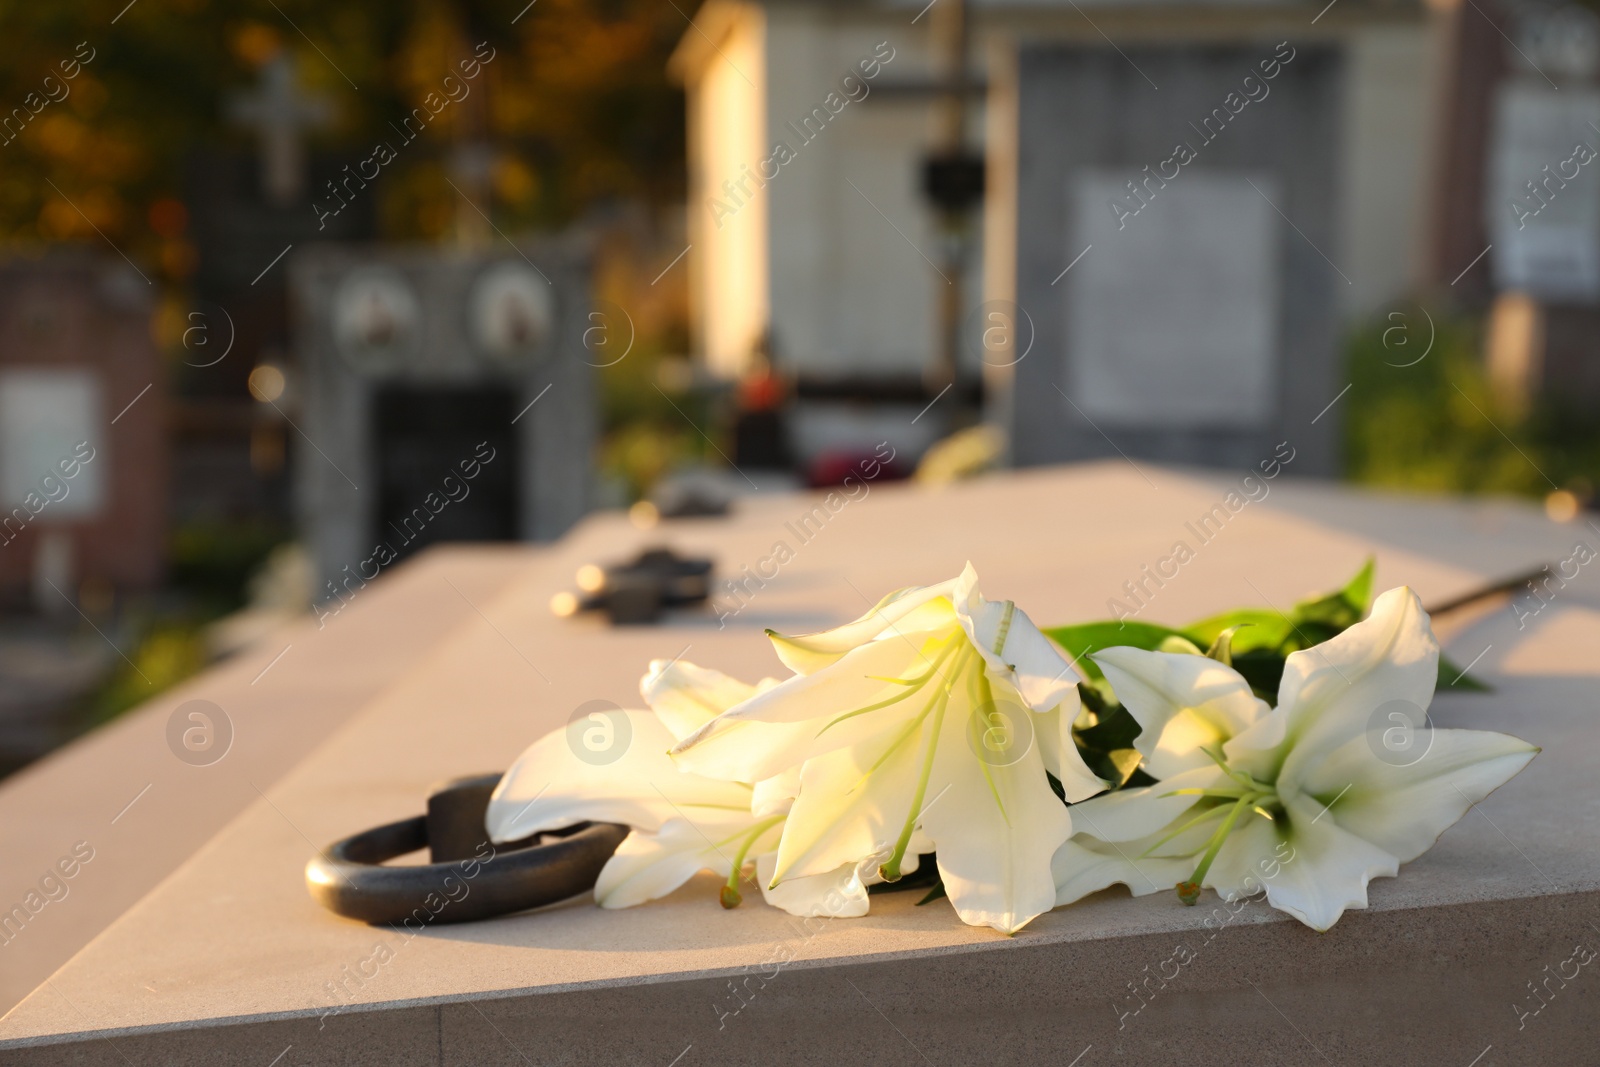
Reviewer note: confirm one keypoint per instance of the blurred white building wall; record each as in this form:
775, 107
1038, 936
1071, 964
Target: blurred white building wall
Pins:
846, 242
723, 64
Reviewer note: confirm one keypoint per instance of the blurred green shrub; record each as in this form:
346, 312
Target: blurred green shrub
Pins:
1438, 425
210, 561
209, 567
166, 654
654, 418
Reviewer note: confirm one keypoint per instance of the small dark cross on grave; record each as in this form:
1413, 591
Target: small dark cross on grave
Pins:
281, 115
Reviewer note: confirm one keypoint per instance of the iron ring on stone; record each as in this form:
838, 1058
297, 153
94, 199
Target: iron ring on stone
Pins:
468, 878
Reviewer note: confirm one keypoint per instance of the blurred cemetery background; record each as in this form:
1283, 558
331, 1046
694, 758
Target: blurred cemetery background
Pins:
292, 290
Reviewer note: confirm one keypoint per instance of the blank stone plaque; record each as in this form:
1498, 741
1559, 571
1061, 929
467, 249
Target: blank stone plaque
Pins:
1171, 321
1543, 202
44, 415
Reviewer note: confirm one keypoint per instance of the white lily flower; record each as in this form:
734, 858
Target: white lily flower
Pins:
683, 823
926, 725
1299, 799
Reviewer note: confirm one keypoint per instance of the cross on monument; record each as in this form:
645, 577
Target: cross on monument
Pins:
280, 116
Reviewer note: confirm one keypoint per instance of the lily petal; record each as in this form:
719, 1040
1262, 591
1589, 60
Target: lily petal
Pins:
1321, 871
797, 714
1330, 691
685, 697
812, 652
647, 866
1061, 756
775, 795
838, 894
1134, 814
549, 787
1181, 702
1084, 865
1258, 748
852, 804
995, 829
1014, 649
1404, 809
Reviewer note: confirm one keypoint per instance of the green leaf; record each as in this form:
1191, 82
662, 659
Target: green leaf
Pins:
1340, 609
1139, 779
1107, 746
1088, 637
1254, 641
1266, 628
1358, 590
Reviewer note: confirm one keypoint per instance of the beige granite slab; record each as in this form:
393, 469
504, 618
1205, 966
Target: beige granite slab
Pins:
141, 811
229, 961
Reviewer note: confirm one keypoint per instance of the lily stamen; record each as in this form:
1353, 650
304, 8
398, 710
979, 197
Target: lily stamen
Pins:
890, 871
1237, 775
1224, 794
913, 685
1189, 892
1209, 813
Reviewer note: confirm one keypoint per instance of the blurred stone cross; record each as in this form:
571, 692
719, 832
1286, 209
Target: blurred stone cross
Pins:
280, 116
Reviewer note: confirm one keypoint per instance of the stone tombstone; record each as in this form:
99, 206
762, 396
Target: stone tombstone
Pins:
1171, 253
1541, 207
83, 462
252, 204
1544, 189
446, 396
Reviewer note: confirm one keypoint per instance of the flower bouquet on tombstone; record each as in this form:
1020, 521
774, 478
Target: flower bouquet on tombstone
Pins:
944, 741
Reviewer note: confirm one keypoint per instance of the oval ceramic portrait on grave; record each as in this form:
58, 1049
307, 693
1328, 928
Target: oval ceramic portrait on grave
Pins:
511, 311
375, 319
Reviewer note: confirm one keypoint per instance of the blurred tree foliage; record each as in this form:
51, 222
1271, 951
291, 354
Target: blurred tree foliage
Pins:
1438, 424
580, 112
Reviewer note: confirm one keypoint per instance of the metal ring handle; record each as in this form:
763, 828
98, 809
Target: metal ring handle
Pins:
470, 878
